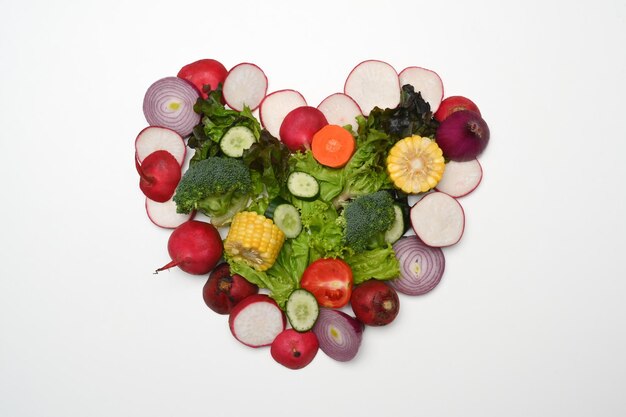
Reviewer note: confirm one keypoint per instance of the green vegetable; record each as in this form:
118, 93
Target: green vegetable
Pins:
411, 117
269, 157
216, 121
380, 263
217, 186
320, 222
366, 220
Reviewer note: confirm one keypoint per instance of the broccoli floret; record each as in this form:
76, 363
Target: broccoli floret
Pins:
218, 187
366, 218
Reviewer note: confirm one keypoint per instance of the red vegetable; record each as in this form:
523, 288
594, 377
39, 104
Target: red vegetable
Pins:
224, 290
293, 349
256, 321
452, 104
375, 303
299, 126
169, 103
462, 136
195, 247
339, 334
204, 72
421, 266
159, 174
330, 281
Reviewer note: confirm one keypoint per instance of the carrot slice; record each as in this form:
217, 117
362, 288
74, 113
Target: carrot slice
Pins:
333, 146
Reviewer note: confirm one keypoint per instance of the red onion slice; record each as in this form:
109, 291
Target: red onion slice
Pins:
421, 266
169, 103
339, 334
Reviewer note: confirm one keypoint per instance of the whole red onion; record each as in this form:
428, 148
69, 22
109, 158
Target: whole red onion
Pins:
462, 136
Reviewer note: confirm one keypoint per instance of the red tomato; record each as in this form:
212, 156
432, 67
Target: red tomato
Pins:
330, 281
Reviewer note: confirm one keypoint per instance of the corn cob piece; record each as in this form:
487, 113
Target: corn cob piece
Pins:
415, 164
254, 239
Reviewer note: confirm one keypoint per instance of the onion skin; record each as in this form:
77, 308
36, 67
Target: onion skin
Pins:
348, 330
410, 250
462, 136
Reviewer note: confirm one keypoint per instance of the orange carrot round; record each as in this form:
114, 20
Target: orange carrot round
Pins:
333, 146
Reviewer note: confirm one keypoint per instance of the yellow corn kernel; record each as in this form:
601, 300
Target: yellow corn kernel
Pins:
415, 164
254, 239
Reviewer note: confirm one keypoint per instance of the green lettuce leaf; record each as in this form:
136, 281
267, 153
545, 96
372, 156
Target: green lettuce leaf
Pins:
380, 263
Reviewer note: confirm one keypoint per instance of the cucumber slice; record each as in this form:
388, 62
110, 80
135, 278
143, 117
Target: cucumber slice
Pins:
397, 229
236, 140
287, 218
303, 185
302, 310
271, 207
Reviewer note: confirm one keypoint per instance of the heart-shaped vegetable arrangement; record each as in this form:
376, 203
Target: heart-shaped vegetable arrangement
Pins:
313, 201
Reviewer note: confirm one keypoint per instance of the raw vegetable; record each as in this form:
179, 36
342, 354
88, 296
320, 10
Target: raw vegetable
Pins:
299, 126
329, 280
245, 86
415, 164
169, 103
154, 138
398, 228
427, 82
216, 121
375, 303
366, 220
379, 263
340, 109
165, 214
421, 266
333, 146
460, 178
373, 84
287, 218
217, 186
269, 157
159, 174
303, 185
275, 106
254, 239
293, 349
256, 321
236, 140
463, 136
339, 334
204, 73
438, 219
302, 310
452, 104
195, 247
223, 290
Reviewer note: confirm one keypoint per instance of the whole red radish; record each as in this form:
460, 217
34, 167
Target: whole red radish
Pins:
293, 349
207, 72
453, 104
224, 290
159, 175
299, 126
375, 303
195, 247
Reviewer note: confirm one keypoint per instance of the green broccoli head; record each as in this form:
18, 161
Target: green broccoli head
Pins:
366, 219
218, 187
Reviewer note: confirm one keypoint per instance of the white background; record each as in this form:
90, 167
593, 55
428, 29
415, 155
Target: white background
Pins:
529, 319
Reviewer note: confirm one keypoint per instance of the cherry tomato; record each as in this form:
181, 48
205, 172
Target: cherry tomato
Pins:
330, 281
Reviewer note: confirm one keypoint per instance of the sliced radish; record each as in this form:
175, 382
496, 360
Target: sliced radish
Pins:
169, 103
460, 178
373, 84
438, 219
340, 109
275, 106
421, 266
256, 320
165, 215
426, 82
245, 85
155, 138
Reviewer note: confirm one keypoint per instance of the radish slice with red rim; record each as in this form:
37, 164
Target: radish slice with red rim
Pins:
340, 109
438, 219
245, 85
421, 266
165, 214
427, 82
256, 320
373, 84
460, 178
155, 138
169, 103
339, 334
275, 106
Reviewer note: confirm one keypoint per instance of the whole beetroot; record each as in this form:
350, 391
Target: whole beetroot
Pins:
375, 303
224, 290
